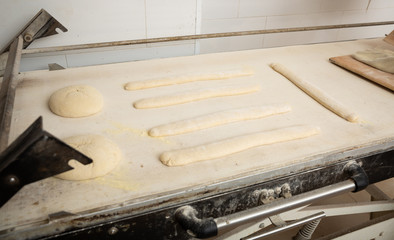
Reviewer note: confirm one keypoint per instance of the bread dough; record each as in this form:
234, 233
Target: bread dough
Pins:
233, 145
105, 154
195, 95
217, 119
187, 78
314, 92
381, 59
76, 101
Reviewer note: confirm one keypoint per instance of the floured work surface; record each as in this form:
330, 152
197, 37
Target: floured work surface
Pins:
141, 174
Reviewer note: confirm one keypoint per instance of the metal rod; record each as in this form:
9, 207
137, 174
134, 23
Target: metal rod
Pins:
283, 205
291, 225
198, 36
7, 91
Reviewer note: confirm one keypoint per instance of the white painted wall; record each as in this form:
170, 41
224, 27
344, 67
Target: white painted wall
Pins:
92, 21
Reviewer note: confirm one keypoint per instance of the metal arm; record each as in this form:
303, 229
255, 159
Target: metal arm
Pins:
186, 215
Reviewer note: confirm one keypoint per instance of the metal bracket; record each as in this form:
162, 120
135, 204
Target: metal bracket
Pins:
7, 91
55, 67
41, 25
34, 155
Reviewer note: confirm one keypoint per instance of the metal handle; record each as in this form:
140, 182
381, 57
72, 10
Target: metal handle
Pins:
187, 218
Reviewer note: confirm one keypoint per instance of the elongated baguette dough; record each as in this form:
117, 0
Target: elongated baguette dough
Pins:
314, 92
195, 95
217, 118
151, 83
234, 145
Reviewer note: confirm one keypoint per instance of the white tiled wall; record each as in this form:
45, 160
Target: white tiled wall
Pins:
272, 14
106, 20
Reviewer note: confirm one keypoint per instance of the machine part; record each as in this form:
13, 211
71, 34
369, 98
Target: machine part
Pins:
55, 66
306, 220
153, 218
267, 196
359, 180
358, 177
41, 25
306, 231
357, 173
270, 195
7, 91
199, 36
378, 228
261, 212
194, 226
277, 221
34, 155
281, 205
286, 191
113, 231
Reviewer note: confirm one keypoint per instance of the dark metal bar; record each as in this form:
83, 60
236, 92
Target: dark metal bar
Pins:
198, 36
7, 91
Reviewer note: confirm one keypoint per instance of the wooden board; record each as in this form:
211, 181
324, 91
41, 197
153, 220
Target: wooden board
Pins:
348, 62
141, 177
390, 38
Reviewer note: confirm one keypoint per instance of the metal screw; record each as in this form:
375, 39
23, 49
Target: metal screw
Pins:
113, 230
12, 180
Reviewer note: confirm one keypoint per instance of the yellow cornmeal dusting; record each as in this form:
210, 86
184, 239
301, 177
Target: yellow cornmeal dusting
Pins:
117, 183
120, 128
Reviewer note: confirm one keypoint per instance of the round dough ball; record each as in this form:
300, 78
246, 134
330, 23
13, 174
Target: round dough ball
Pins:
105, 155
76, 101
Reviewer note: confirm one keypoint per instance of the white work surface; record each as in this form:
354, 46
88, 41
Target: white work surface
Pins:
141, 174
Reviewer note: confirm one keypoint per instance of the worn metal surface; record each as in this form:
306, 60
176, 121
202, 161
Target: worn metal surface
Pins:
199, 36
41, 25
7, 91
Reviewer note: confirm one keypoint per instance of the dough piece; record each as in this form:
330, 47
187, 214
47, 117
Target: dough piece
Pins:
105, 155
234, 145
216, 119
76, 101
314, 92
187, 78
378, 58
195, 95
